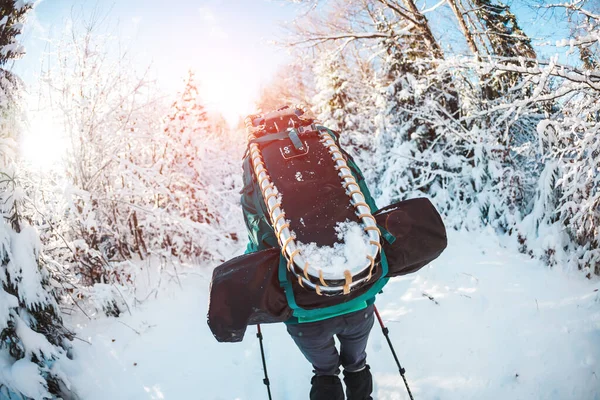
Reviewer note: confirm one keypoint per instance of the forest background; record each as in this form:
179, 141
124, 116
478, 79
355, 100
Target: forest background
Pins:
453, 100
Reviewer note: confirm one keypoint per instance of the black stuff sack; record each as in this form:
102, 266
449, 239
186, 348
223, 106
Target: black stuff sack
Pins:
419, 235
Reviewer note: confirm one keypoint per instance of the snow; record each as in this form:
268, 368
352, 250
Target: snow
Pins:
23, 376
19, 4
348, 254
34, 343
502, 326
23, 265
11, 47
480, 322
7, 301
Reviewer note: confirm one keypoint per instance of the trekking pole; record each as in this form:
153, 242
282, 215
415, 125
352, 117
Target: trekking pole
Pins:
386, 332
262, 354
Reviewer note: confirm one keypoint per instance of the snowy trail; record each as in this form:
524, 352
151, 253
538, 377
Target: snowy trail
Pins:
503, 327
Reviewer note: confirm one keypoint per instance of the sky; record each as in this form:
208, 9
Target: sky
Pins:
226, 42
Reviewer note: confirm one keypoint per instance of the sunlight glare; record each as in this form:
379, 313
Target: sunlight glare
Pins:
229, 86
223, 95
43, 143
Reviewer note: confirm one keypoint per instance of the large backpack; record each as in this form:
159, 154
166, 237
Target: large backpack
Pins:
300, 188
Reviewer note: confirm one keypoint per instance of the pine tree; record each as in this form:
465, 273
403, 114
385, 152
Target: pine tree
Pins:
502, 37
333, 97
291, 84
505, 36
32, 337
185, 126
12, 16
344, 102
195, 169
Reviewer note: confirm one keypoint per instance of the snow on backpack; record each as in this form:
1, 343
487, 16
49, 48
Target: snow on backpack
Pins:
318, 246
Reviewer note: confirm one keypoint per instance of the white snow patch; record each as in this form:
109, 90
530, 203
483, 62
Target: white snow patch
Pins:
34, 343
494, 304
7, 301
349, 254
23, 376
23, 265
299, 176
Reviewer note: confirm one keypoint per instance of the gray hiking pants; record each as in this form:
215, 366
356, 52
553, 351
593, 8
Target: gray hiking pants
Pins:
315, 340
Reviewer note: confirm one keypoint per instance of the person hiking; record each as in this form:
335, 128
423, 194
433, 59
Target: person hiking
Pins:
316, 339
318, 253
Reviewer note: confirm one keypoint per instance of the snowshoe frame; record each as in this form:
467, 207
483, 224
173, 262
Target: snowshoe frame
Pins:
309, 275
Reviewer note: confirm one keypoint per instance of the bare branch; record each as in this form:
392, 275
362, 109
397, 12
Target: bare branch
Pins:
589, 78
575, 6
400, 11
351, 36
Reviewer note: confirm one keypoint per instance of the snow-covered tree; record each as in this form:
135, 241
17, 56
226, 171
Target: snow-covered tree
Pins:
584, 25
291, 84
197, 172
492, 30
570, 139
464, 131
106, 109
12, 17
32, 337
345, 103
141, 180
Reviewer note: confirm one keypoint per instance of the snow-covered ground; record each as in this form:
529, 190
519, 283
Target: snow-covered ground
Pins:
481, 322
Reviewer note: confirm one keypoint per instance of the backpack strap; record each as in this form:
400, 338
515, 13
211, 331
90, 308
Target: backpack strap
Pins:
270, 138
292, 134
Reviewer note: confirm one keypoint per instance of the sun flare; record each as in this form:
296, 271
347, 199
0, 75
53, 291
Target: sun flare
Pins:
43, 142
225, 95
230, 86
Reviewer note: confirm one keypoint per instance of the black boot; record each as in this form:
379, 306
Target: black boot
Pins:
326, 387
359, 385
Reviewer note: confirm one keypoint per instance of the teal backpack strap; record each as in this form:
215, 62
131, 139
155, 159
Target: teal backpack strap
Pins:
286, 284
304, 315
260, 233
386, 235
